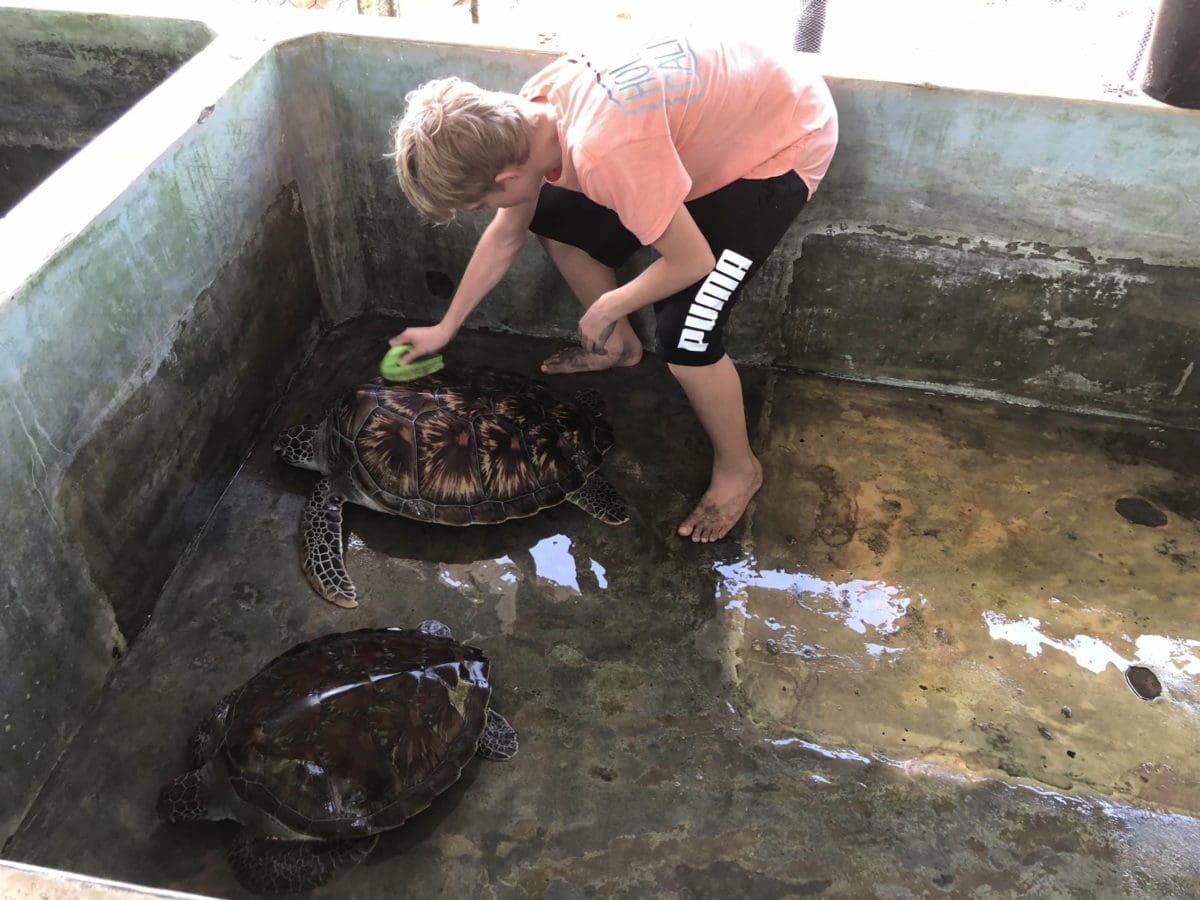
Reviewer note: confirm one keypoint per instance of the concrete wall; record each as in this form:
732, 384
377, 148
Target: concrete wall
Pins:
1036, 248
158, 290
1028, 246
407, 265
156, 296
66, 76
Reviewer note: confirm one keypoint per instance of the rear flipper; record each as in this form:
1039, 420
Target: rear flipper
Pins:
266, 865
322, 534
498, 741
600, 499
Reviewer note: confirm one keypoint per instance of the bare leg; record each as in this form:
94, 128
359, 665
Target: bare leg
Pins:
588, 279
715, 392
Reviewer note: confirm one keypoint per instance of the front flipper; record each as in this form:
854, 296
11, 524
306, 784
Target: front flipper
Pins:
498, 741
322, 534
600, 499
209, 734
264, 865
187, 797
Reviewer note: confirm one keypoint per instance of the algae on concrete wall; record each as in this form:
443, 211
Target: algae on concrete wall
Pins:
140, 357
66, 76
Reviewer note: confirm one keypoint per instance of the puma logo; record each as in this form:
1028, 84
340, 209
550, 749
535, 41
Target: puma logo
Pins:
729, 272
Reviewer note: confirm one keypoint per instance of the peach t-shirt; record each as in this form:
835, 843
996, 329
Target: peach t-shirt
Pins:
681, 117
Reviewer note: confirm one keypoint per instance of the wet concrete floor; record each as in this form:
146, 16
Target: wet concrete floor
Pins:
902, 676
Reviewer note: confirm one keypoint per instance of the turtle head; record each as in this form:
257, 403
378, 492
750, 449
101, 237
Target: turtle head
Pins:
187, 798
298, 446
435, 628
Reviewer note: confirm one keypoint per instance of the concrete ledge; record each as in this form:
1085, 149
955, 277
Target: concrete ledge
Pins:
19, 881
66, 76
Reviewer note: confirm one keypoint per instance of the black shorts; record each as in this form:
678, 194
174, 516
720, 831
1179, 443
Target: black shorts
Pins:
742, 222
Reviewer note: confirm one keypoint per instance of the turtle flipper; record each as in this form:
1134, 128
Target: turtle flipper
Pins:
598, 498
203, 744
498, 741
323, 563
186, 797
264, 865
591, 400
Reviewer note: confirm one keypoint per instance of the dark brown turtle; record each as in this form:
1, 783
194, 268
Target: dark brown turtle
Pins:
334, 741
472, 447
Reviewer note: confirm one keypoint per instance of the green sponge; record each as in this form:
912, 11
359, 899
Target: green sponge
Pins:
393, 370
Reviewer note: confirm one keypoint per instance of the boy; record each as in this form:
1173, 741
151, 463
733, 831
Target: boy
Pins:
704, 149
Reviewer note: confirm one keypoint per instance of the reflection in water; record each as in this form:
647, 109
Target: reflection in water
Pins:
857, 604
510, 572
449, 580
485, 578
818, 749
554, 562
1091, 653
1173, 659
601, 575
1161, 652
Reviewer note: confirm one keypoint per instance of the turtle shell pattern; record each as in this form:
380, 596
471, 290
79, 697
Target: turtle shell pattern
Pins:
476, 446
357, 731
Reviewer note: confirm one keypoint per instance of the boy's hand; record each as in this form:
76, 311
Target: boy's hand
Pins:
596, 327
424, 340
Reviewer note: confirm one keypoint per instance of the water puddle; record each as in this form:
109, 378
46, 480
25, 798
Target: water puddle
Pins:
868, 669
552, 565
857, 604
1155, 657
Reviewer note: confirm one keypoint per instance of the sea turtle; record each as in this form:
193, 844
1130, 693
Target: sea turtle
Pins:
472, 447
336, 740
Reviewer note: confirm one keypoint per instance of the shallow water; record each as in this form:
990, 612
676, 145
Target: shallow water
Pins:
903, 675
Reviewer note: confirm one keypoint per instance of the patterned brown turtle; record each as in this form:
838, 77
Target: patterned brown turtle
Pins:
473, 447
338, 739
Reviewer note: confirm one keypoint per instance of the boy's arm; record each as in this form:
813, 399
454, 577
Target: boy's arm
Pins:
493, 256
684, 258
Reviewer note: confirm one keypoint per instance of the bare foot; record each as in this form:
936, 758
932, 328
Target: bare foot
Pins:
576, 359
722, 504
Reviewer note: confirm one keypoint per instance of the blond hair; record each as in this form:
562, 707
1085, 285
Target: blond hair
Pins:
452, 141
